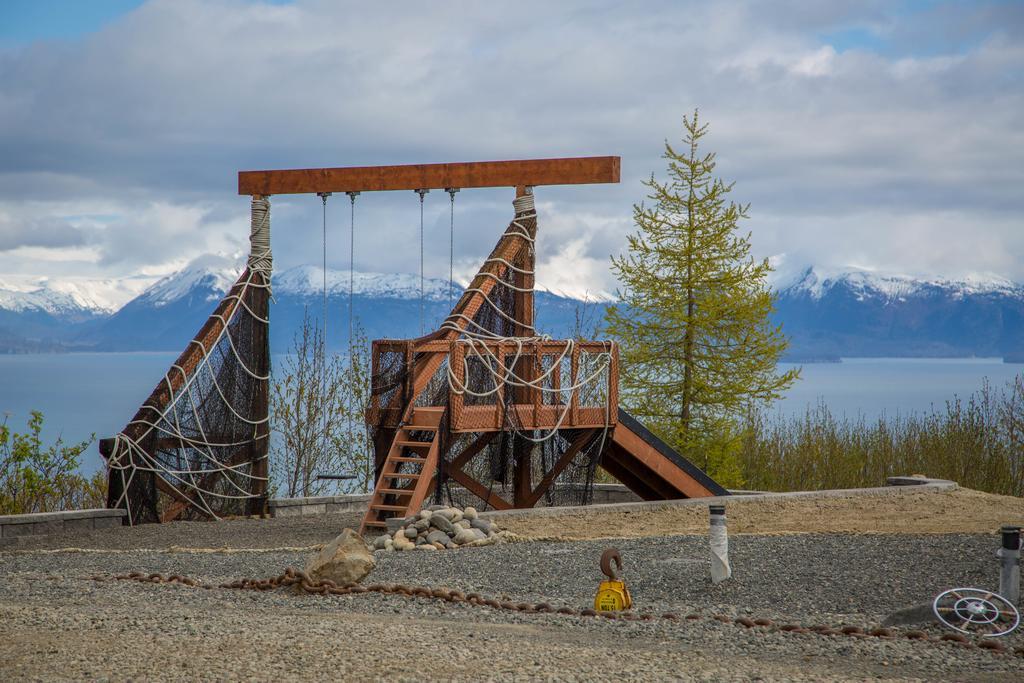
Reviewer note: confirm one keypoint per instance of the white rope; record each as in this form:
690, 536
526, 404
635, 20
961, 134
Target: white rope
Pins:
128, 456
500, 312
261, 259
480, 343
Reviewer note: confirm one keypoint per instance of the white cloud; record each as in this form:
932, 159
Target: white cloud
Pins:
815, 63
132, 136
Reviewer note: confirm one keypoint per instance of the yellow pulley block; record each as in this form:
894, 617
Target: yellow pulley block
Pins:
612, 595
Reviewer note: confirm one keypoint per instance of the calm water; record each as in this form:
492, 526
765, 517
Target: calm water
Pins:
83, 393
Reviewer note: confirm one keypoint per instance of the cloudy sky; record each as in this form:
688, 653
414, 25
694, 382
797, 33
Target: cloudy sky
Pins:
885, 135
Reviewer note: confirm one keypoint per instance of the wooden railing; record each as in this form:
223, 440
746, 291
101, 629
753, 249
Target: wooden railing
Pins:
542, 407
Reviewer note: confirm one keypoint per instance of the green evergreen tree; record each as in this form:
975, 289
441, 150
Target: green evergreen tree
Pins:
696, 343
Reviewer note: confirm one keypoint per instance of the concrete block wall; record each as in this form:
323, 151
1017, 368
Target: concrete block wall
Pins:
604, 493
320, 505
15, 526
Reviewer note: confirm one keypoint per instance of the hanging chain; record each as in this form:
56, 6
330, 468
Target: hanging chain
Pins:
351, 312
351, 263
422, 194
451, 246
323, 368
303, 582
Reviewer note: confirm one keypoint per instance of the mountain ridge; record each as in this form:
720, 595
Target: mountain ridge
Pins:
827, 313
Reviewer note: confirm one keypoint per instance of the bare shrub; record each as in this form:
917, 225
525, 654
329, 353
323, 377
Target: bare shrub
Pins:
317, 409
38, 478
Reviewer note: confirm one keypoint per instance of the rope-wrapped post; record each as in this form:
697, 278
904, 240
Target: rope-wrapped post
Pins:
261, 258
261, 265
523, 313
197, 447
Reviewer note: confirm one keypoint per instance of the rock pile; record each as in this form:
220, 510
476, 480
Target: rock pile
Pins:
439, 528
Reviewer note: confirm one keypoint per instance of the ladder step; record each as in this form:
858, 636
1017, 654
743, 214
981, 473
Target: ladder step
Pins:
407, 487
428, 416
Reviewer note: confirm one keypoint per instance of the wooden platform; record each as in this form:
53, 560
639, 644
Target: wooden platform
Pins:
510, 382
530, 408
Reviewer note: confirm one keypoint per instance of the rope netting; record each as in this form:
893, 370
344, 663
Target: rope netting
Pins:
490, 378
197, 447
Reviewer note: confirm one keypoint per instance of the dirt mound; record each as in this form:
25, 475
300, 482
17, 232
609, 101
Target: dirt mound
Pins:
926, 512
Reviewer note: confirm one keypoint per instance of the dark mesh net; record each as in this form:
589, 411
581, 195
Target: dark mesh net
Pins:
197, 447
508, 451
511, 461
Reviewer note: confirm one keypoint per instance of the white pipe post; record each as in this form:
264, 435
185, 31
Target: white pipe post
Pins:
720, 569
1009, 573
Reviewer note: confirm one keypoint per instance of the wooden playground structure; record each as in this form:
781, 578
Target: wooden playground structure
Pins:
486, 403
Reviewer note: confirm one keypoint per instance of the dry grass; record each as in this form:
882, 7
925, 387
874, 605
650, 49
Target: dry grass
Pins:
977, 442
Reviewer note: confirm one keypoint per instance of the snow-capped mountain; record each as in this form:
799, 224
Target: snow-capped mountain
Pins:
40, 314
826, 313
72, 295
167, 314
211, 274
855, 312
816, 282
308, 280
43, 300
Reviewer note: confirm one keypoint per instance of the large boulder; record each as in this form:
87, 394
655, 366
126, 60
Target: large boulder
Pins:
347, 559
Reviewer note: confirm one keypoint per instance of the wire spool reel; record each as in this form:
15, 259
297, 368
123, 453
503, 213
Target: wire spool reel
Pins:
976, 612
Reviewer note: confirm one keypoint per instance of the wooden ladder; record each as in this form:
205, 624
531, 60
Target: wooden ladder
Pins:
392, 497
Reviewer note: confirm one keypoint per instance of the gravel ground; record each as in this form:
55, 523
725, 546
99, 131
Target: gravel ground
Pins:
55, 623
297, 532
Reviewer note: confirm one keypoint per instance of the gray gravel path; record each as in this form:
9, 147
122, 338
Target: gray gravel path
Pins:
229, 533
57, 624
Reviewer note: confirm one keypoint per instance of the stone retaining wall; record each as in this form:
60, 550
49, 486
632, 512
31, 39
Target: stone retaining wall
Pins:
603, 493
14, 526
914, 480
319, 505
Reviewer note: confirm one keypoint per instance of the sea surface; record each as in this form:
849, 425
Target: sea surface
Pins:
81, 394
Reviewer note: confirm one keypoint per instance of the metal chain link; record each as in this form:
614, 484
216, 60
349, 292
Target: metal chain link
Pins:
299, 578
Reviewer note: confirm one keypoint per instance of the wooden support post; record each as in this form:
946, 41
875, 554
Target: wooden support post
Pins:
479, 490
259, 449
574, 402
472, 449
457, 362
577, 445
523, 312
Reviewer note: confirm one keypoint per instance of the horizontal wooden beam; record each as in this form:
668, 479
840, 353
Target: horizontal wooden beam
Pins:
528, 172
